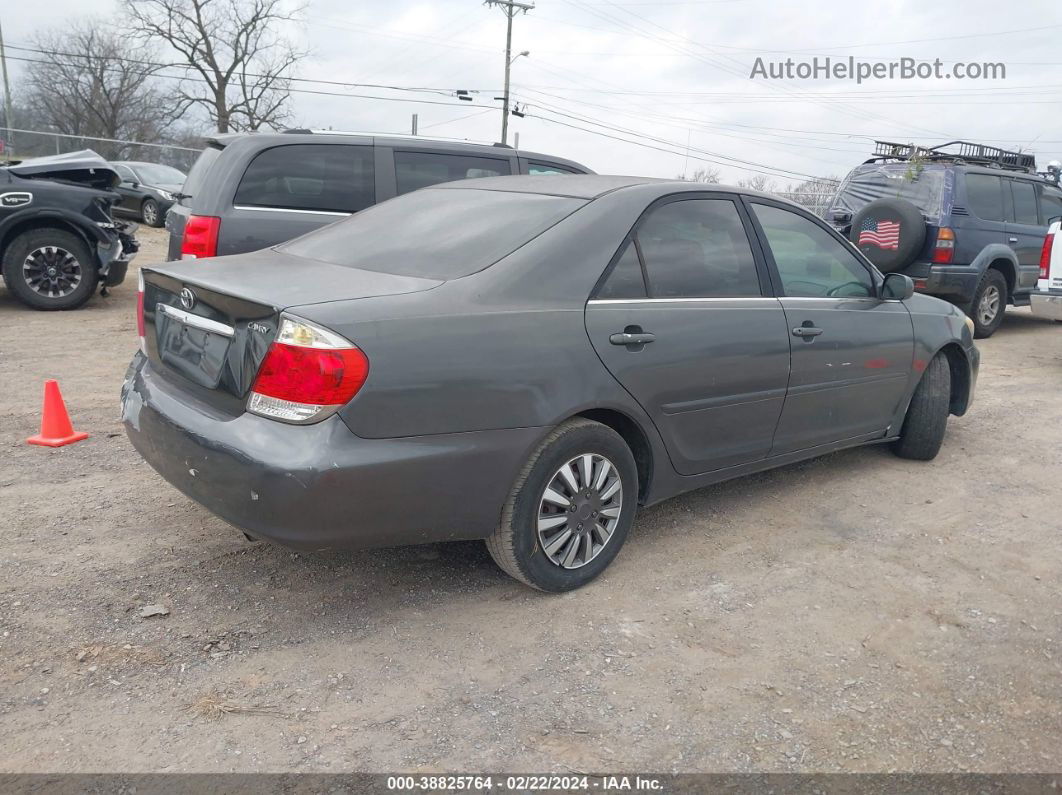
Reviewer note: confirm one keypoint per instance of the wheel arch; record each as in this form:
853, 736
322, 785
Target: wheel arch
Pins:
1007, 269
959, 366
636, 439
31, 223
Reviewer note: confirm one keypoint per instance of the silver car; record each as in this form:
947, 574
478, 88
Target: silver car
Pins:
526, 360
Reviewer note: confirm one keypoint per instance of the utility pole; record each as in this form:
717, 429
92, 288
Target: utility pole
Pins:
509, 8
414, 125
8, 122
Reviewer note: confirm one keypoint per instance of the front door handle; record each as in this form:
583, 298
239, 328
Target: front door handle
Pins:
629, 338
806, 331
1012, 239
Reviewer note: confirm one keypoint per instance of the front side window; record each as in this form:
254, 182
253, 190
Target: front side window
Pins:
416, 170
696, 248
310, 177
810, 261
984, 194
1052, 204
1024, 194
125, 173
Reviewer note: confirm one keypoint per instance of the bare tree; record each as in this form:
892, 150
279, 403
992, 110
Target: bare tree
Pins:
707, 174
759, 182
90, 81
239, 64
813, 194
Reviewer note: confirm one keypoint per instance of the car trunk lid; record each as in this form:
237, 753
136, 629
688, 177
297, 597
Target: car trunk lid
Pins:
208, 323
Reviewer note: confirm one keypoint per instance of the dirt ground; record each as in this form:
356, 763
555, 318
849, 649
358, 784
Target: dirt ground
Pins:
857, 612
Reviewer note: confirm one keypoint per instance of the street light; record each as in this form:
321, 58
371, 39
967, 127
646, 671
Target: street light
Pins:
513, 59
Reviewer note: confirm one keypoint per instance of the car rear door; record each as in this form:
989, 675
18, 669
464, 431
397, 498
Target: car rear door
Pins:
685, 321
852, 352
291, 189
1025, 232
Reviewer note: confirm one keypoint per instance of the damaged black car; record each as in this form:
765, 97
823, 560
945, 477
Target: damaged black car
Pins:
59, 241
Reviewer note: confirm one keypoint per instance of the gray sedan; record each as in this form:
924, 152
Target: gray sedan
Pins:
526, 360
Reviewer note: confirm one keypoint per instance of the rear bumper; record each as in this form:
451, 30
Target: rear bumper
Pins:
1047, 304
320, 486
955, 282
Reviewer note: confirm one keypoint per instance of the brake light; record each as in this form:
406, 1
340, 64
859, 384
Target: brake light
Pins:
140, 311
944, 248
1045, 256
307, 374
200, 237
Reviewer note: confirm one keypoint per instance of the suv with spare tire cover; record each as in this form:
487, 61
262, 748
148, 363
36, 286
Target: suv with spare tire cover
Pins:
965, 221
58, 240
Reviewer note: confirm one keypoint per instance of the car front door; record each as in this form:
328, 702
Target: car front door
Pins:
852, 352
130, 200
685, 321
1025, 232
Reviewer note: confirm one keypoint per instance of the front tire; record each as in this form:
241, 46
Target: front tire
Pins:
150, 213
570, 510
989, 303
50, 269
927, 416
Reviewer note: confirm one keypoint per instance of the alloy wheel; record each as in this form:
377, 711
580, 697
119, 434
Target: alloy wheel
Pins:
988, 307
579, 510
150, 213
52, 271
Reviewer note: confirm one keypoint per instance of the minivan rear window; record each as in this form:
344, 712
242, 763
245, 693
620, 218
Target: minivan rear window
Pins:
435, 234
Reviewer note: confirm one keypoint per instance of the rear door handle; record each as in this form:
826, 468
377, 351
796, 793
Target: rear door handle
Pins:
627, 338
1013, 239
806, 331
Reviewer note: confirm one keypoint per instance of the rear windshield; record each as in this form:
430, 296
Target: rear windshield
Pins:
435, 234
923, 186
197, 176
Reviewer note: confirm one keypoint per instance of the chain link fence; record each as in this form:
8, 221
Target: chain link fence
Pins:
21, 144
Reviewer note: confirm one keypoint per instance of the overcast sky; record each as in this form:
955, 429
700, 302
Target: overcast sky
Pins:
677, 72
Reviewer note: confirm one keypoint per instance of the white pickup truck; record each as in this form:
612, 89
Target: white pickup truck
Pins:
1046, 299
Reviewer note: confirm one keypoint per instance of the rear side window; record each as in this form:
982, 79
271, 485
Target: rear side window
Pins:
549, 168
416, 170
1024, 194
697, 248
1052, 205
197, 176
626, 279
984, 194
312, 177
435, 234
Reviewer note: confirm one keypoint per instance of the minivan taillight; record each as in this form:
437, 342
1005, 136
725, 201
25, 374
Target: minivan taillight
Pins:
140, 311
307, 374
944, 249
1045, 256
200, 237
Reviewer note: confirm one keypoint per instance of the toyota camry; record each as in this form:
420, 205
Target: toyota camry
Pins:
527, 360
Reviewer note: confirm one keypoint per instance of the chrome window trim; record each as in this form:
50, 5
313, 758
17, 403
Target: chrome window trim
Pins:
196, 321
680, 300
286, 210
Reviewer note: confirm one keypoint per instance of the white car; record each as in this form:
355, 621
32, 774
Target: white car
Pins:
1046, 299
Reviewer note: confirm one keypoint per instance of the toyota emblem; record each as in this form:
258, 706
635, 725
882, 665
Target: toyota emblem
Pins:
187, 298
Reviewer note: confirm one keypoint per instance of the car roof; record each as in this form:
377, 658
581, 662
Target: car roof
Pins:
269, 139
592, 186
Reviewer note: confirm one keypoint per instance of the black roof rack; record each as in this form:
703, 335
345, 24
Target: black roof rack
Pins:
978, 154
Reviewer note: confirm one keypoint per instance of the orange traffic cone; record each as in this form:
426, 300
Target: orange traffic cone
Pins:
56, 429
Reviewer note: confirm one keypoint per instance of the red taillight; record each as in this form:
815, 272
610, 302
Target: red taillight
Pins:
140, 311
307, 373
200, 237
944, 249
1045, 256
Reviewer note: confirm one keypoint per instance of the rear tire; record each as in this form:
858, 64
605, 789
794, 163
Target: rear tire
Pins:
989, 304
927, 416
50, 269
530, 542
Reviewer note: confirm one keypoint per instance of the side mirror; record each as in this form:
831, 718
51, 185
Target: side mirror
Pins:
897, 287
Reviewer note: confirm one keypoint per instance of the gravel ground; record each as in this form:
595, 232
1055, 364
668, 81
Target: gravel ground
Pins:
856, 612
